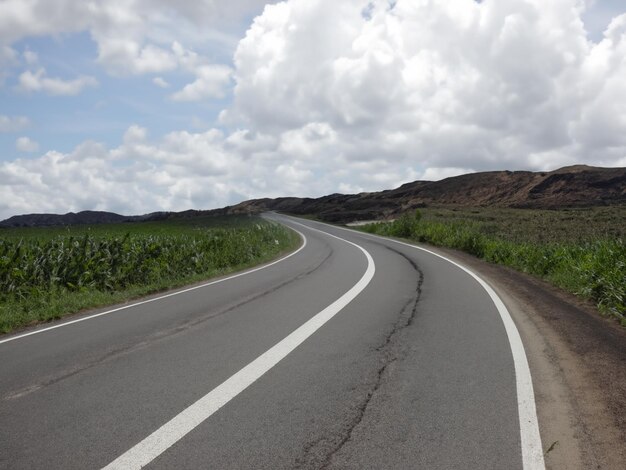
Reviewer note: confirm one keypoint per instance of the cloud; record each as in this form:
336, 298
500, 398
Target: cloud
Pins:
160, 82
180, 171
436, 174
377, 94
30, 57
135, 134
38, 82
123, 56
132, 37
13, 123
24, 144
504, 84
211, 82
598, 14
183, 170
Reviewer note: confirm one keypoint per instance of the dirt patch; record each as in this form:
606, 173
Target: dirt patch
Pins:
578, 364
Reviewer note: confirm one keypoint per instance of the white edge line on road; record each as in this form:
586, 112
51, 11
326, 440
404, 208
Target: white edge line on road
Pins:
175, 429
165, 296
532, 450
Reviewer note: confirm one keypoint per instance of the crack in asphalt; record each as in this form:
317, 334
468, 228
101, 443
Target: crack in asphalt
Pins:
389, 356
158, 336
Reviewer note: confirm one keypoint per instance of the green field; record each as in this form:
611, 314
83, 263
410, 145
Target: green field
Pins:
579, 250
46, 273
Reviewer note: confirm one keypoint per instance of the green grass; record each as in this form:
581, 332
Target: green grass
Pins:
46, 273
581, 251
166, 227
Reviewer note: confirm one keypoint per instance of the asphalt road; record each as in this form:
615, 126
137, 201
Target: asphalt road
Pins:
354, 352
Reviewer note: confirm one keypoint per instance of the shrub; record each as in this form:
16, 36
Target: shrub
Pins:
594, 270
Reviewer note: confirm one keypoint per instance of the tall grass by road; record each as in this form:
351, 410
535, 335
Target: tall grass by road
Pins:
46, 273
562, 247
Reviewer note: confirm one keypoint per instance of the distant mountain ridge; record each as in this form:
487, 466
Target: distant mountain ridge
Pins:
75, 218
574, 186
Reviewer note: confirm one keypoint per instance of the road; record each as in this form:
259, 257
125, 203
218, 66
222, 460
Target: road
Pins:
353, 352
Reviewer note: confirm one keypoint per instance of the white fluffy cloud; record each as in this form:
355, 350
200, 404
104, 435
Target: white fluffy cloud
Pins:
211, 82
181, 170
25, 144
132, 36
373, 95
160, 82
123, 56
509, 84
38, 82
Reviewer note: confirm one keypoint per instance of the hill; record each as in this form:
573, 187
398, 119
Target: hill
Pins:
574, 186
78, 218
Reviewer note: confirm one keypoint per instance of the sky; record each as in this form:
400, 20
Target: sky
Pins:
135, 106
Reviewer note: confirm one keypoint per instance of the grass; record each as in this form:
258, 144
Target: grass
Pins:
46, 273
579, 250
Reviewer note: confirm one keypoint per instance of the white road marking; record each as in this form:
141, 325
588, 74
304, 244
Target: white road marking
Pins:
172, 294
175, 429
532, 450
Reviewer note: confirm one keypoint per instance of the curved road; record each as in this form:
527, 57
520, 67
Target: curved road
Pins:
354, 352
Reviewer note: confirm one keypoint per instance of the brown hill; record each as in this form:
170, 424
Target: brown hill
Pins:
575, 186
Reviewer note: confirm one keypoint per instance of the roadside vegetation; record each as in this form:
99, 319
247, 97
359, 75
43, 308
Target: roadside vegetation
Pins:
579, 250
46, 273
